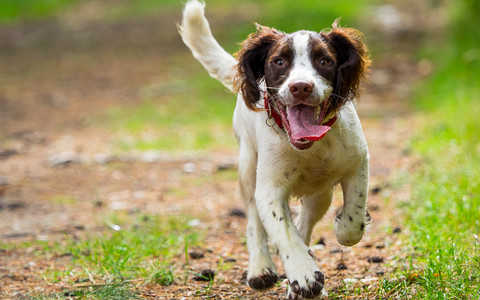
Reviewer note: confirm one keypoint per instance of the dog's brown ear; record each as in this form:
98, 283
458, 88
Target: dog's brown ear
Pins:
251, 63
352, 61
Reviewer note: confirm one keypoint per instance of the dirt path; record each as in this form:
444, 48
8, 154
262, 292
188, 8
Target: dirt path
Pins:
46, 98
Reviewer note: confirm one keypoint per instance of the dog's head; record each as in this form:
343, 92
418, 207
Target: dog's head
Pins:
307, 75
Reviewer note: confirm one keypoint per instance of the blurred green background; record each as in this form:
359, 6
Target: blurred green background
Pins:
443, 215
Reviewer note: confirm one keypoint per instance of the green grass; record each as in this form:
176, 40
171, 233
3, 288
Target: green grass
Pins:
128, 251
281, 13
118, 291
198, 118
137, 248
13, 10
443, 216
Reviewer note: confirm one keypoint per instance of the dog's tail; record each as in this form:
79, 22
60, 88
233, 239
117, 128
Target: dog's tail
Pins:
196, 34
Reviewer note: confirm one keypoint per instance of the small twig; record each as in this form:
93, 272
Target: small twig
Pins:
105, 284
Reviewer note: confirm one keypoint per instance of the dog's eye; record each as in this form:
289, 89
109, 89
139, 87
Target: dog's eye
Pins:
279, 61
325, 62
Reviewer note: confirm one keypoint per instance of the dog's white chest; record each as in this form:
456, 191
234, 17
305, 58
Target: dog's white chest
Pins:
314, 170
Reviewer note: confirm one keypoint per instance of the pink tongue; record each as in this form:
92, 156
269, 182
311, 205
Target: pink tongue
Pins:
303, 124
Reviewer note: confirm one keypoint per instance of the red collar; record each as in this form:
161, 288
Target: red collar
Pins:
278, 119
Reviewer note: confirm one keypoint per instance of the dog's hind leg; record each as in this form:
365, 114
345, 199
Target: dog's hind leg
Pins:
313, 209
261, 269
350, 222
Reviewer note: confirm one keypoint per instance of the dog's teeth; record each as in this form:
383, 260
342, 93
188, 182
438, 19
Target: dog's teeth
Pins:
317, 112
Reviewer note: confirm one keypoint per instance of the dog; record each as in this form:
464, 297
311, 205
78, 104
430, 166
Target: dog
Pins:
299, 135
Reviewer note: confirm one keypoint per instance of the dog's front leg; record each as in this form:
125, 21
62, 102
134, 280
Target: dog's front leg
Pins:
350, 222
261, 270
304, 277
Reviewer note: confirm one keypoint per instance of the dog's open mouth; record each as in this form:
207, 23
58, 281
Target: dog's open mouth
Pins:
303, 124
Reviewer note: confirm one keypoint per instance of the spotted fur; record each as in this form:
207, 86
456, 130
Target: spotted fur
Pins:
270, 169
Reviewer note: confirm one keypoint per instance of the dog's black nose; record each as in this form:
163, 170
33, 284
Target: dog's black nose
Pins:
301, 89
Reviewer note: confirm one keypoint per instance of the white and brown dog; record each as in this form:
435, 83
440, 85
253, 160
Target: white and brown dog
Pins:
292, 90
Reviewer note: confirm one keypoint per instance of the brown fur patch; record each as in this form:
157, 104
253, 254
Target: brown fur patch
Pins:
321, 50
251, 63
352, 62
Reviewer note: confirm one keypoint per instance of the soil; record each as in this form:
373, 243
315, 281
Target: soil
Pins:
54, 77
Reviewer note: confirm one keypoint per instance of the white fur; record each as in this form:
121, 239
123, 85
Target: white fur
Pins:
281, 171
303, 70
271, 171
196, 34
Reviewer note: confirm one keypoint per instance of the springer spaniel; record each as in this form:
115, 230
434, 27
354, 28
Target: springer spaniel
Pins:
299, 135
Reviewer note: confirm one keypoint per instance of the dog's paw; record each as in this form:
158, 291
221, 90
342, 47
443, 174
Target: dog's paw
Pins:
263, 281
310, 288
349, 229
